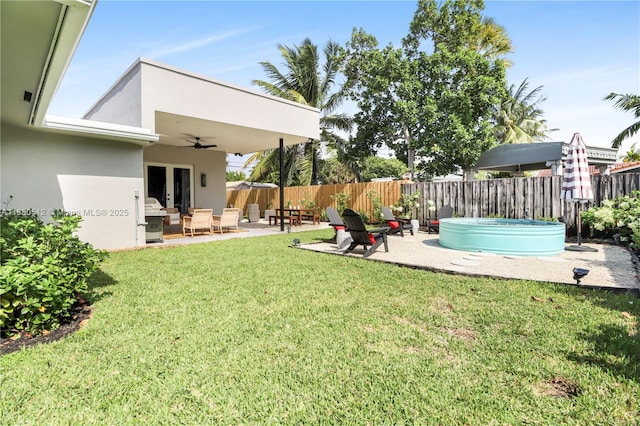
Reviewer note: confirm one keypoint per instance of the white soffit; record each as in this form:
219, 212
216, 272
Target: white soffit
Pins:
102, 130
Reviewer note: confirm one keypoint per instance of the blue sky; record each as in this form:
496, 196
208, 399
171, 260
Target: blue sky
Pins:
579, 51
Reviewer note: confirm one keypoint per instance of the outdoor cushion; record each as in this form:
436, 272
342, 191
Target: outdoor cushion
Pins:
393, 224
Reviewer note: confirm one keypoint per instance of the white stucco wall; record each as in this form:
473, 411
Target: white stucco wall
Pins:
122, 103
213, 163
96, 178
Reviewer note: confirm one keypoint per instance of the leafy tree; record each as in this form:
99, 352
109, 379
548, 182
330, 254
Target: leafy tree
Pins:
626, 103
435, 95
309, 82
518, 116
378, 167
235, 176
334, 171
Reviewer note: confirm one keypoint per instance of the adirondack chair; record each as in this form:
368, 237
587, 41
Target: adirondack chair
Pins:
335, 221
395, 225
371, 239
434, 224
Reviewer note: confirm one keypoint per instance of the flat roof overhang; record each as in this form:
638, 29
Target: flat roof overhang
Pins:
180, 105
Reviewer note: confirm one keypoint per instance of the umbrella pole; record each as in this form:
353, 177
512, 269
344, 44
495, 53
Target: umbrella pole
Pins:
579, 225
579, 246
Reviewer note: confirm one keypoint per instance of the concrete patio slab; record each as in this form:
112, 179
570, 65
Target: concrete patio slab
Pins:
611, 267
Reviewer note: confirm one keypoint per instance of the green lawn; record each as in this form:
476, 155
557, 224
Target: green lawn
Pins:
251, 331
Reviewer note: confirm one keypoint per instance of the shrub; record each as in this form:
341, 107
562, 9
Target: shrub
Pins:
43, 271
620, 215
405, 206
376, 200
342, 201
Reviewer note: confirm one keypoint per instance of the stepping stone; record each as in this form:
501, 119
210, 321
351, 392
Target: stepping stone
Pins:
465, 262
472, 257
482, 254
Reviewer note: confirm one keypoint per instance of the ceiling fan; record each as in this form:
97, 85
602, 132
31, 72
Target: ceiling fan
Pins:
198, 145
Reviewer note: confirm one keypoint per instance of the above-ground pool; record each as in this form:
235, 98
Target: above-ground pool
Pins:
521, 237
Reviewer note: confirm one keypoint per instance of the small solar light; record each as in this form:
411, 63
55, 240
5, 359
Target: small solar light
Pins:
579, 273
296, 242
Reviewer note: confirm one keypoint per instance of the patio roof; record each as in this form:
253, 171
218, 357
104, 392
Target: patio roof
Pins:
178, 105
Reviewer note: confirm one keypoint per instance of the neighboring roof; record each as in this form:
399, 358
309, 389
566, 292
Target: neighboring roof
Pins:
537, 156
248, 185
625, 167
448, 178
593, 170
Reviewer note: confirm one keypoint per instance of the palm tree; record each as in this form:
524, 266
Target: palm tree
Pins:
492, 41
632, 155
626, 103
518, 117
308, 82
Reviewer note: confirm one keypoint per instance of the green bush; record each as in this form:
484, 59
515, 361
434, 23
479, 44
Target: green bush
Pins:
620, 215
342, 201
376, 201
43, 270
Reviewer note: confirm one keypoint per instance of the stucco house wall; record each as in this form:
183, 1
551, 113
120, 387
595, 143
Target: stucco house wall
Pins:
97, 178
122, 103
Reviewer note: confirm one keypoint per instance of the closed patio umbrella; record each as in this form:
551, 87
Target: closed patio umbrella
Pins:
576, 183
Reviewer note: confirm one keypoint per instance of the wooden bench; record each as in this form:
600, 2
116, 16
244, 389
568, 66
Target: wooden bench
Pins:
293, 220
314, 217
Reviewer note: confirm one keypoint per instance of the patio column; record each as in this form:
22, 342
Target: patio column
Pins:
281, 182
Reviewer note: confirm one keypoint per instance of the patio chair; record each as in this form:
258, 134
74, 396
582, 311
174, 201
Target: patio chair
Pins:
360, 235
433, 224
201, 219
172, 217
336, 222
395, 225
228, 219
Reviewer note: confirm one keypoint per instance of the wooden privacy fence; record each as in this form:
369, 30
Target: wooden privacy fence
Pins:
358, 200
534, 197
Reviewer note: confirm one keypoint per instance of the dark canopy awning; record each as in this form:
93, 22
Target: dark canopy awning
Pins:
520, 157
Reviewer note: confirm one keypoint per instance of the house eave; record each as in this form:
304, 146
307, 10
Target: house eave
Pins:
72, 22
116, 132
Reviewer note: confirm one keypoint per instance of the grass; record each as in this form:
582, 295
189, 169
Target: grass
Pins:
251, 331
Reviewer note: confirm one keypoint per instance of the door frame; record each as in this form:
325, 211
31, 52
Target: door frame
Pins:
169, 180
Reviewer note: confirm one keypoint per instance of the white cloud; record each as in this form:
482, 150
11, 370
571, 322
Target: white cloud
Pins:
195, 44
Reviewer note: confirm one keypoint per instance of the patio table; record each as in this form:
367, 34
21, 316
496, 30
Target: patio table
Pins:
295, 215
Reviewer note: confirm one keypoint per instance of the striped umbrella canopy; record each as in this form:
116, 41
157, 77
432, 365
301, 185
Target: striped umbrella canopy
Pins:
576, 181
